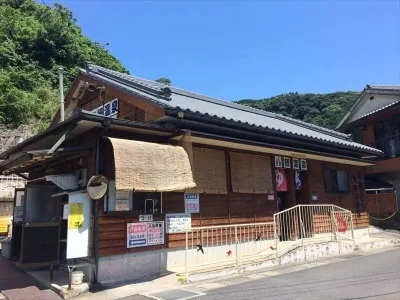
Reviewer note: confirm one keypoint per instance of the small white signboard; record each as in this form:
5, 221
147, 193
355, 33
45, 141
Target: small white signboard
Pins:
122, 201
177, 223
145, 218
18, 214
65, 212
145, 234
121, 205
192, 203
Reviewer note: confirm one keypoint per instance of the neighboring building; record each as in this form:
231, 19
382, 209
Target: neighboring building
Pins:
154, 143
8, 184
374, 120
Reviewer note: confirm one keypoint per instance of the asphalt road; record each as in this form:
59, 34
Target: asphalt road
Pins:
374, 276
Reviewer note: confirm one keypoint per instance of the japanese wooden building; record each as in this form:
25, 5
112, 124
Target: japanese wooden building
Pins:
374, 120
154, 143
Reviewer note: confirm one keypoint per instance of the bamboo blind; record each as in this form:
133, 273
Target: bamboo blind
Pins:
143, 166
251, 173
209, 171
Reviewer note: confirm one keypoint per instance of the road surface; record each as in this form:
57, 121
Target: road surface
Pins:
374, 276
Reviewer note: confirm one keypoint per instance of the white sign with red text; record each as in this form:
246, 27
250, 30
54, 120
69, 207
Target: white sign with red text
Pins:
192, 203
145, 234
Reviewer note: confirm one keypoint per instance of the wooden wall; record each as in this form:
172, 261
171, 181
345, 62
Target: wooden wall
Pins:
224, 209
317, 185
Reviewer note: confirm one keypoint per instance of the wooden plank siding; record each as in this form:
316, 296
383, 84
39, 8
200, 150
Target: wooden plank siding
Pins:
215, 209
381, 203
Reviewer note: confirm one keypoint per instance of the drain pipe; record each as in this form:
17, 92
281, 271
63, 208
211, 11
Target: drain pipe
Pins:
61, 80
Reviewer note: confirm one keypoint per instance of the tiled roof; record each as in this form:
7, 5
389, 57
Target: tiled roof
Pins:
384, 87
174, 98
380, 109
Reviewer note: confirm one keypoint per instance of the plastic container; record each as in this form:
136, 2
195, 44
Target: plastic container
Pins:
77, 277
6, 248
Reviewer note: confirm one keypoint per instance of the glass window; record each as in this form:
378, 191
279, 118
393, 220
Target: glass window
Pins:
139, 202
147, 202
117, 201
336, 180
343, 182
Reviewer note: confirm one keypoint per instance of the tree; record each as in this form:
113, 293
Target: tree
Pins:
164, 80
35, 40
325, 110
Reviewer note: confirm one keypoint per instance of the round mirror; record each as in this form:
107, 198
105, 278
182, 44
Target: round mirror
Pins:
97, 186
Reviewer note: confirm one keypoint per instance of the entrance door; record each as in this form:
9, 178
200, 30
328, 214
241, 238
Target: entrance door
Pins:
40, 226
303, 197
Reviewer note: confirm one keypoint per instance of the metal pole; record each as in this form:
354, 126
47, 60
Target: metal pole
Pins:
302, 234
236, 249
187, 258
333, 224
275, 237
352, 227
61, 79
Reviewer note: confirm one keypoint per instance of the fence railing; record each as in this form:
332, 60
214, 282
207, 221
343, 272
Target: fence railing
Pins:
235, 245
306, 222
225, 245
390, 146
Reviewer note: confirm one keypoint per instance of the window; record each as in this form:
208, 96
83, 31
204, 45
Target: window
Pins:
139, 202
336, 181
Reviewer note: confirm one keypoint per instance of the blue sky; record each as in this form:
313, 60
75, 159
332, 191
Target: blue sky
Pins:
244, 49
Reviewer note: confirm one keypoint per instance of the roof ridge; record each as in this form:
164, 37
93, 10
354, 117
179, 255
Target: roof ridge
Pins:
150, 87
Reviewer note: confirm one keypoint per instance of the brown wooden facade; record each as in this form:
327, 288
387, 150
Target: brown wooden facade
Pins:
215, 209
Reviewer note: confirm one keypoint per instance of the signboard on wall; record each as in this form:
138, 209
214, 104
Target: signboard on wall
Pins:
286, 163
122, 201
18, 214
177, 223
278, 161
75, 215
303, 164
145, 234
296, 163
65, 212
109, 109
192, 203
145, 218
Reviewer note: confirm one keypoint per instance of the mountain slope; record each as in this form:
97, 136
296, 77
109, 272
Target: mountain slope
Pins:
35, 40
325, 110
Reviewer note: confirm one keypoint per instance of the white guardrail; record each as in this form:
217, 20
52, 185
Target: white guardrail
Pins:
234, 245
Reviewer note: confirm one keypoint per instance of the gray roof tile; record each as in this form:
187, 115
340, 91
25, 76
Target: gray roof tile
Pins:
171, 97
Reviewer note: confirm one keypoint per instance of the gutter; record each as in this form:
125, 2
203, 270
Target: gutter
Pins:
82, 115
261, 144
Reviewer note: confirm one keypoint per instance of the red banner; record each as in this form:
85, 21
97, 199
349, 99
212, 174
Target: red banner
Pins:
281, 180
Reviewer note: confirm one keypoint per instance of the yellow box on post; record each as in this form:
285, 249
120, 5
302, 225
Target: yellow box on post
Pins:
4, 222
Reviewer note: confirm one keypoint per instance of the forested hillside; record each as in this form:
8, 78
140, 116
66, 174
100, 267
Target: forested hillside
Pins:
35, 40
321, 109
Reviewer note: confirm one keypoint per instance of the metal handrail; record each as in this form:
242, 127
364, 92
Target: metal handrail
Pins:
224, 245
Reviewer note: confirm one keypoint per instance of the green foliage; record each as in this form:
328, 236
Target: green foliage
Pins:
35, 40
325, 110
163, 80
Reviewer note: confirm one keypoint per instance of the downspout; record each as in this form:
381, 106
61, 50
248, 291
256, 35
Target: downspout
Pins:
96, 216
106, 125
